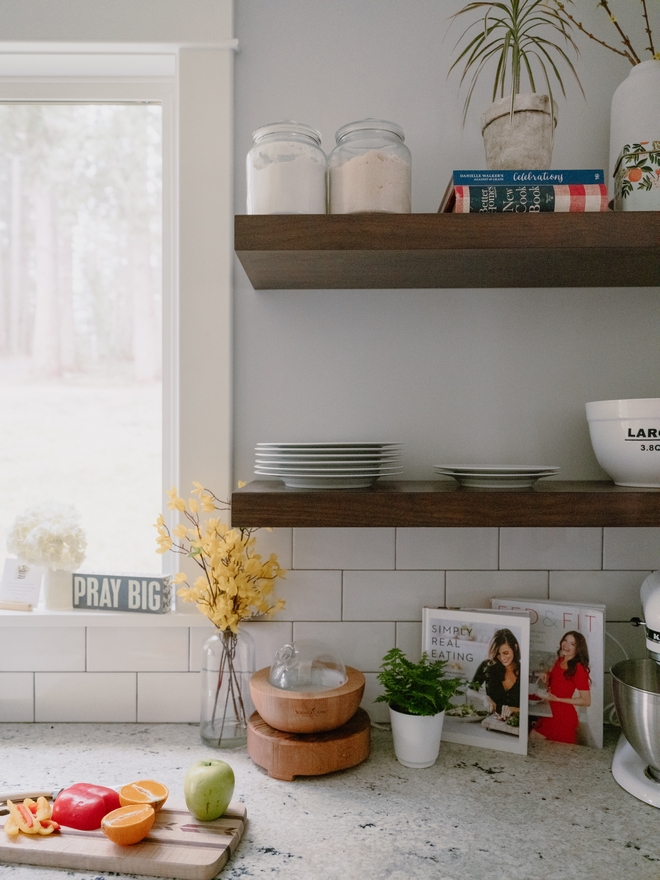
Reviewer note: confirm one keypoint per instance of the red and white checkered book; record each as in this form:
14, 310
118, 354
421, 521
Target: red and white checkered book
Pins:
541, 198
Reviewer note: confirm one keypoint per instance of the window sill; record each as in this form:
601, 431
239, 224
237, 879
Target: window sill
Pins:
43, 617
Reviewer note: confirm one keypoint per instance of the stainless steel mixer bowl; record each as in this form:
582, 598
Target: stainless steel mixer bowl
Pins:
636, 686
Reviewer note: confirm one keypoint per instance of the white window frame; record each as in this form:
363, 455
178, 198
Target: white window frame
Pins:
197, 101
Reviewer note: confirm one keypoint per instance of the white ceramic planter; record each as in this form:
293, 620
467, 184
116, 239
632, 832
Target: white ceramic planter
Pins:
635, 111
524, 142
416, 738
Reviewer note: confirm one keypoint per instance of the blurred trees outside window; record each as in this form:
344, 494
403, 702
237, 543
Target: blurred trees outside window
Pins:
81, 321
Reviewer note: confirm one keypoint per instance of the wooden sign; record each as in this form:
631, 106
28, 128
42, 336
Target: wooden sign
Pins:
142, 594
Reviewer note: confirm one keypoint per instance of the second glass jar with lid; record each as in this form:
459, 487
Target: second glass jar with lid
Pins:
370, 169
286, 170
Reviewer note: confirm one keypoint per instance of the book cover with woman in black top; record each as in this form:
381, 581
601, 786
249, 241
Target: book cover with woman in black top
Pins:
490, 650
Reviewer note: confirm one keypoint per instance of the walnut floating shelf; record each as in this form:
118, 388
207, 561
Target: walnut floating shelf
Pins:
322, 251
443, 503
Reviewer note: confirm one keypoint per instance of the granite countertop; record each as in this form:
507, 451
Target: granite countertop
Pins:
478, 814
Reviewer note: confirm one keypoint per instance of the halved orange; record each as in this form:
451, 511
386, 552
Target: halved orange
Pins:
144, 791
129, 824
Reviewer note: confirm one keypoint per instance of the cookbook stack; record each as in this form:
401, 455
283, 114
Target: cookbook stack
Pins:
522, 191
330, 465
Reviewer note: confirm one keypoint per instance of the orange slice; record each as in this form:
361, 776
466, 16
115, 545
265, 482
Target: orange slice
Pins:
145, 791
129, 824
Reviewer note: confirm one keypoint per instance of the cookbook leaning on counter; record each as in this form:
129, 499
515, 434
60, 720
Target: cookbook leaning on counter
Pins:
556, 813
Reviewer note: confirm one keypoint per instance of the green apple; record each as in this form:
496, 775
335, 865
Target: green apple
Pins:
208, 788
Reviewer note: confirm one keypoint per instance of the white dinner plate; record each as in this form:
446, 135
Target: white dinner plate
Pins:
329, 482
328, 456
330, 465
331, 445
492, 481
497, 469
310, 472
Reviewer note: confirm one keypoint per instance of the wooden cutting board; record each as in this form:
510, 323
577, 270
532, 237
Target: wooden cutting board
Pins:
178, 846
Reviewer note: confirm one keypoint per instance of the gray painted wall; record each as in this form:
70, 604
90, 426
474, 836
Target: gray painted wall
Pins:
456, 375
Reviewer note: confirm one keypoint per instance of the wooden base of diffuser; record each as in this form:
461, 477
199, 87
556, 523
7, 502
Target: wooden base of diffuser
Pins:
286, 755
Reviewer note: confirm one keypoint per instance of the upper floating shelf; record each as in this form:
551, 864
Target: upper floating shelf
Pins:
331, 251
443, 503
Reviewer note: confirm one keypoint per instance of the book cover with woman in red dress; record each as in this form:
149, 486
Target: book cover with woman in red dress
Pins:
567, 657
568, 686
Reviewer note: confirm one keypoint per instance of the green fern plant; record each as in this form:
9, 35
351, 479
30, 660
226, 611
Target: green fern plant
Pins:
416, 688
519, 36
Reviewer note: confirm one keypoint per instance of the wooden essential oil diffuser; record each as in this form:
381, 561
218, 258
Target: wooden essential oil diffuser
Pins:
307, 733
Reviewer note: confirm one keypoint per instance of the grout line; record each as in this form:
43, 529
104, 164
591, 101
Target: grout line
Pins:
341, 606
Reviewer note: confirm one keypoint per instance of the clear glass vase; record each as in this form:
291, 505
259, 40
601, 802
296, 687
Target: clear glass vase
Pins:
227, 665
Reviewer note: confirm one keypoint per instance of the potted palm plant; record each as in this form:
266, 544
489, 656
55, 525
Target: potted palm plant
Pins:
525, 40
417, 694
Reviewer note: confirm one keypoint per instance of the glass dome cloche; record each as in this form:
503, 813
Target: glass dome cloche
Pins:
307, 665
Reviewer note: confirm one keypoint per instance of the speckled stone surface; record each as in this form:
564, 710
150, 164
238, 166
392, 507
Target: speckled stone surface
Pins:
556, 814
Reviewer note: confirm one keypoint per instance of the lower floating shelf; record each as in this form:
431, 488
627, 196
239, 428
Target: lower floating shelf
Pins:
436, 503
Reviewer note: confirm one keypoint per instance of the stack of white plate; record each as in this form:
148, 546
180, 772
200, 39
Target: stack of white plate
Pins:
328, 465
476, 476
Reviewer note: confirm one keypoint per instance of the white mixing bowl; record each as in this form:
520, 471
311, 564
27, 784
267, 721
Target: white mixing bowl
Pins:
625, 435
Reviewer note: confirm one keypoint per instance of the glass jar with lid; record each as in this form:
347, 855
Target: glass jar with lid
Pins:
286, 170
370, 169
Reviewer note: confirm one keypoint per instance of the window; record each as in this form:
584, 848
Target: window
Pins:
81, 320
195, 96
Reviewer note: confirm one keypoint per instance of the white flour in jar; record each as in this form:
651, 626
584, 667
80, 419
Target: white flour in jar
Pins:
286, 177
372, 181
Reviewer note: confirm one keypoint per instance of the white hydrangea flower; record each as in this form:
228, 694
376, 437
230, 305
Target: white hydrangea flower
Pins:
49, 535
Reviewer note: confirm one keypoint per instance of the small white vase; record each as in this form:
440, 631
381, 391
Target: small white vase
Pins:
635, 111
57, 587
416, 738
526, 141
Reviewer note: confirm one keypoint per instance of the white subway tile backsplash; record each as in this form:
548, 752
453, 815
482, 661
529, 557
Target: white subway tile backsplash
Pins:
47, 649
409, 639
361, 645
360, 590
278, 541
137, 649
168, 697
391, 595
631, 548
198, 635
85, 696
550, 548
310, 595
16, 696
344, 548
379, 712
268, 635
618, 590
630, 643
475, 589
446, 548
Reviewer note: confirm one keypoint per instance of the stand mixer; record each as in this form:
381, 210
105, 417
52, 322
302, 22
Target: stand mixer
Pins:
636, 686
